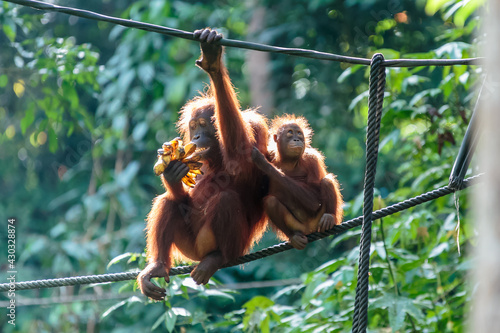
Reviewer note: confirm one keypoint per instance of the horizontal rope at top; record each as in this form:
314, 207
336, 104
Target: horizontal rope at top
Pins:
278, 248
240, 44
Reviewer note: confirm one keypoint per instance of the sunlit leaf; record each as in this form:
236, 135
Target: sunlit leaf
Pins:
4, 79
432, 6
466, 11
9, 28
258, 302
159, 321
361, 97
347, 72
264, 324
389, 53
113, 308
170, 320
218, 293
28, 119
398, 307
181, 312
119, 258
52, 140
69, 92
438, 250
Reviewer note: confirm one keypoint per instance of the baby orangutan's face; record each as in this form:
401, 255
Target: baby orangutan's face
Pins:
290, 141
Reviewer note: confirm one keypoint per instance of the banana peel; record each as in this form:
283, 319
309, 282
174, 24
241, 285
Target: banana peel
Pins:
175, 151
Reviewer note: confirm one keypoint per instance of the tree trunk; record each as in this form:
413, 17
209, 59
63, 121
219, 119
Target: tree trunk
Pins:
258, 67
486, 305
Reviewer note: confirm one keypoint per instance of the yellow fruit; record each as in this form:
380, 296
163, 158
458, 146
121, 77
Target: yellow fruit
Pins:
159, 167
188, 181
174, 150
194, 165
166, 159
195, 158
195, 171
189, 149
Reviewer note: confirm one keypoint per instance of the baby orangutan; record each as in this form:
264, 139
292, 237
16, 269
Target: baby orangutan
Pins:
303, 197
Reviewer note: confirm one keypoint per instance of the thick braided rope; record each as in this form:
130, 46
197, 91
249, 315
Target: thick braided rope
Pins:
375, 101
278, 248
240, 44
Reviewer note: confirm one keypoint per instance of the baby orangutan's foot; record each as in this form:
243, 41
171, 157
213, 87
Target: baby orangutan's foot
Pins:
298, 241
326, 222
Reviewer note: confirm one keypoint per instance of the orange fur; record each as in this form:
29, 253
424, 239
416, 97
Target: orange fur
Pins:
278, 123
306, 189
227, 198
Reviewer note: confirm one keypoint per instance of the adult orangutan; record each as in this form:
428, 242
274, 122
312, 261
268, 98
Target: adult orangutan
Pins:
221, 217
303, 197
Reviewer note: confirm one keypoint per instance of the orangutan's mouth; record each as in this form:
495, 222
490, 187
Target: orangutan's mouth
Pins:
201, 151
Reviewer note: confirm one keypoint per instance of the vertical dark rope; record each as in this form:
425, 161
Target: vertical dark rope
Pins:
375, 101
467, 148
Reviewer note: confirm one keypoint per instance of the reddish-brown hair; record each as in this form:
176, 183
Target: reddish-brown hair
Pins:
191, 109
278, 124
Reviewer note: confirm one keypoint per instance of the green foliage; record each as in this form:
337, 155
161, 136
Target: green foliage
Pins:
85, 105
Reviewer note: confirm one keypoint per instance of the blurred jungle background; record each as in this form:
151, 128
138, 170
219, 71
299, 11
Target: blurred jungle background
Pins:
84, 105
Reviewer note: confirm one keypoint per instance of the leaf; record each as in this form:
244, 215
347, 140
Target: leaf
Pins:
9, 28
61, 264
325, 285
264, 324
358, 99
158, 321
52, 140
28, 118
146, 72
330, 266
4, 79
379, 247
217, 293
69, 92
75, 250
398, 307
115, 32
419, 96
314, 312
438, 250
125, 80
433, 6
113, 308
466, 10
419, 181
454, 50
119, 258
389, 53
288, 290
181, 312
170, 319
346, 73
413, 80
452, 10
140, 130
393, 136
177, 90
261, 302
189, 283
124, 178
